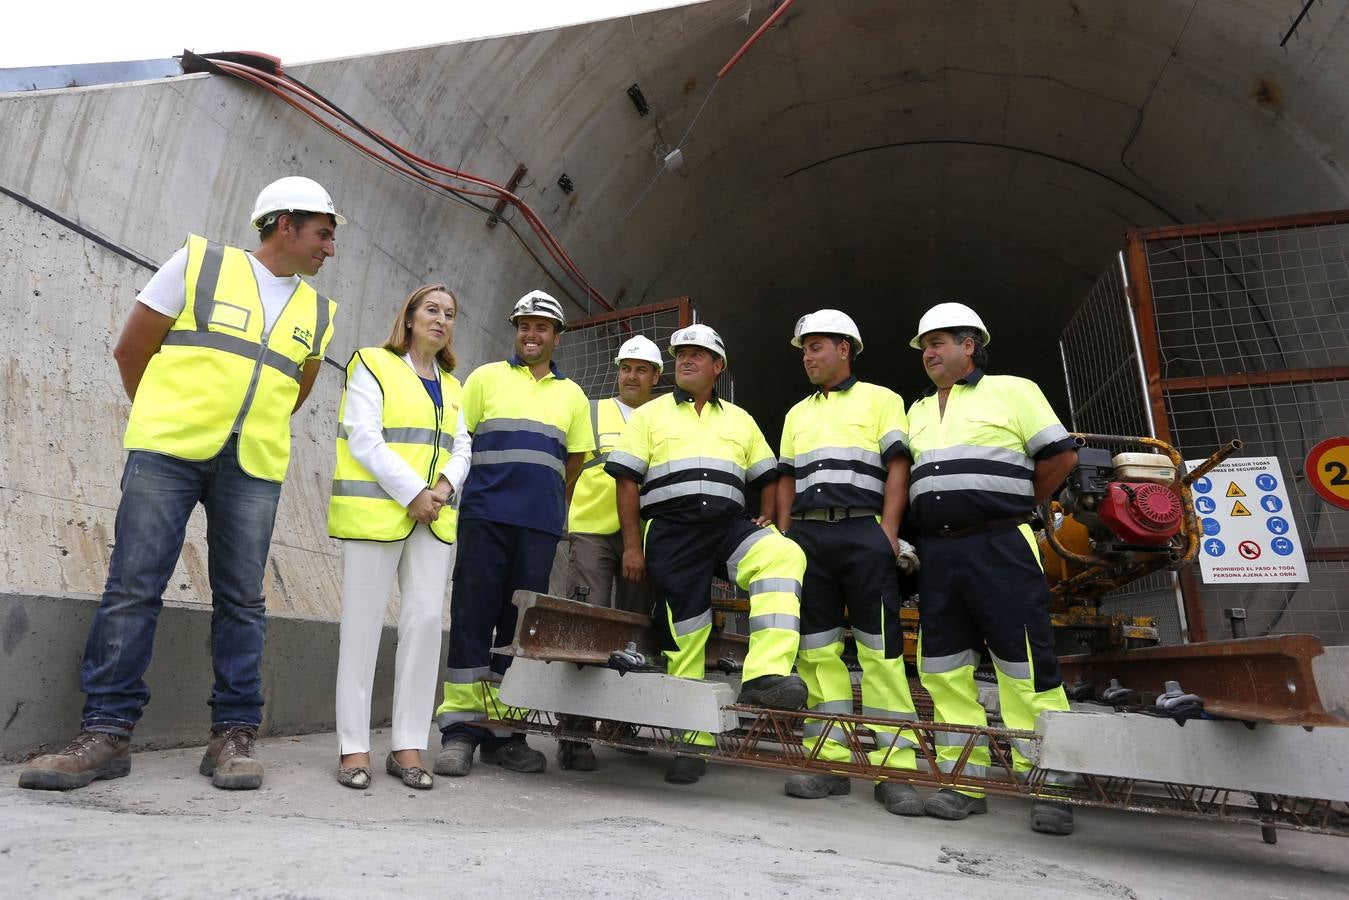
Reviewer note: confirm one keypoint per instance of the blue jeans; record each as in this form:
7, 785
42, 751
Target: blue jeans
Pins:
158, 495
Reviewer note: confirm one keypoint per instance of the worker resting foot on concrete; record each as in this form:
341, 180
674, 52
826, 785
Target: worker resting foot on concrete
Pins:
530, 427
683, 465
987, 450
221, 348
595, 564
841, 495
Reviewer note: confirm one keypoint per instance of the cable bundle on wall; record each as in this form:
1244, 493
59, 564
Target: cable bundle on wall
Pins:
266, 73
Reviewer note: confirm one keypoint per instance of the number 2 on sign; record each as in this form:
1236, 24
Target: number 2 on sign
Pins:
1338, 472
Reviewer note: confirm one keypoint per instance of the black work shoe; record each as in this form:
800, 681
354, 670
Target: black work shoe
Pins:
899, 799
813, 787
953, 805
575, 755
90, 756
1048, 817
774, 691
685, 770
515, 755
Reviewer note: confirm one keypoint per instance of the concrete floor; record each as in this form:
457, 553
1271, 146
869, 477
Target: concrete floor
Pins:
618, 832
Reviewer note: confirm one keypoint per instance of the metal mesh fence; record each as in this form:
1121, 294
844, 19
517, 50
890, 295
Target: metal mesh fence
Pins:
1103, 368
1101, 362
1252, 335
587, 352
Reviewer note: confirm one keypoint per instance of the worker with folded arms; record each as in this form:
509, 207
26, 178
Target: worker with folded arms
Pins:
987, 451
683, 465
221, 348
595, 563
841, 495
530, 427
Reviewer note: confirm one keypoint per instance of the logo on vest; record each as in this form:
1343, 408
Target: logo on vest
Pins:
304, 336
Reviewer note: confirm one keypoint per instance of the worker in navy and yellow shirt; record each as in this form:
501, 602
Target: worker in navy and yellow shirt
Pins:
843, 486
987, 451
531, 429
683, 465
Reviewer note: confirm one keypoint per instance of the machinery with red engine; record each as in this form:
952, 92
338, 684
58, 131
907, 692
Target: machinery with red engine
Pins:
1120, 515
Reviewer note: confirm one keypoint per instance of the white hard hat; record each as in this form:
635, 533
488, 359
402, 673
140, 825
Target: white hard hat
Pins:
948, 317
828, 321
642, 348
699, 336
537, 303
294, 193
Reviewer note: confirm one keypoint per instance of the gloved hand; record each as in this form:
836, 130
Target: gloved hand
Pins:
906, 560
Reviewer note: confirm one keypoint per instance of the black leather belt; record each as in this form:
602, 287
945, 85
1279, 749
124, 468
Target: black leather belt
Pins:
834, 514
990, 525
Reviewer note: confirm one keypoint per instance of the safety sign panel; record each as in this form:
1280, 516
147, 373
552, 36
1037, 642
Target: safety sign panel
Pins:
1249, 533
1328, 470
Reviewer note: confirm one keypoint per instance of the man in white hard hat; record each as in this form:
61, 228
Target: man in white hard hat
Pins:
987, 451
594, 568
683, 464
531, 430
221, 348
843, 486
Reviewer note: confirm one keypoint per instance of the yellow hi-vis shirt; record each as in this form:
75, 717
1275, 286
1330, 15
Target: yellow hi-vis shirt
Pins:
977, 463
418, 431
692, 467
837, 445
522, 431
217, 373
594, 507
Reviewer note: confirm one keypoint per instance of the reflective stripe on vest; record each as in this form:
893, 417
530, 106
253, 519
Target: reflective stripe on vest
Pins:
413, 429
217, 370
594, 506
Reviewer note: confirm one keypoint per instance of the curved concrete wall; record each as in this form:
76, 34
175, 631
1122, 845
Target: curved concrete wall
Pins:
869, 154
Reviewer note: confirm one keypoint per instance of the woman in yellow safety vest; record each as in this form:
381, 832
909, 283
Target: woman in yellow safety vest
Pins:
402, 457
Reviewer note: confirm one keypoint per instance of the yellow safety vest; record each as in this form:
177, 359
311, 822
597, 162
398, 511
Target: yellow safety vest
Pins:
692, 467
419, 433
837, 446
594, 507
217, 373
976, 463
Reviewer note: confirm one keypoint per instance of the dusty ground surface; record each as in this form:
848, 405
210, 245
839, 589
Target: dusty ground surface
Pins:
618, 832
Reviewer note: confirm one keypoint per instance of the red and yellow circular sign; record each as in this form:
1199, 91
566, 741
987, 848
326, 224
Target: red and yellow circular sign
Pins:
1328, 470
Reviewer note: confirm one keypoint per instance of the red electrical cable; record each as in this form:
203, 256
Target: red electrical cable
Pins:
279, 85
758, 32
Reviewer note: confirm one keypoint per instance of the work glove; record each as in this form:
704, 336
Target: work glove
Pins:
906, 560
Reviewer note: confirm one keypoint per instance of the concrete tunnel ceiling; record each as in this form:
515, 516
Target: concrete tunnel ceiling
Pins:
882, 156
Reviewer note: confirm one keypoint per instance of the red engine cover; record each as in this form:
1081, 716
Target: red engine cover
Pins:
1141, 512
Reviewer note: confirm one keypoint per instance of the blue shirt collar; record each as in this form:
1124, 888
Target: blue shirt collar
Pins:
971, 380
841, 386
515, 360
683, 396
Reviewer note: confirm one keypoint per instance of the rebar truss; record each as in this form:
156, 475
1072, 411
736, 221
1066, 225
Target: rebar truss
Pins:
771, 739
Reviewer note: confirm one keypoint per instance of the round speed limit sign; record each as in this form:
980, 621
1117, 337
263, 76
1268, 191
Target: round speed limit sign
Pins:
1328, 470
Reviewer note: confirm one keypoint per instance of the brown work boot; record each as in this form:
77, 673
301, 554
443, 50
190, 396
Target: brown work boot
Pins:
91, 756
229, 759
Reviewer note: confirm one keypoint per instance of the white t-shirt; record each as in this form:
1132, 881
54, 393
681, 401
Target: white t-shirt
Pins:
164, 293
